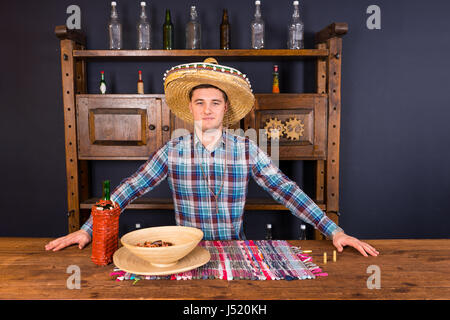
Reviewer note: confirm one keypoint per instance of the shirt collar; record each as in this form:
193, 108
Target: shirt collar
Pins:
220, 142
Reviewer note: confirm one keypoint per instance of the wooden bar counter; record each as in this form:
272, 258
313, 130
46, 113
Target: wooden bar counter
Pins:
409, 269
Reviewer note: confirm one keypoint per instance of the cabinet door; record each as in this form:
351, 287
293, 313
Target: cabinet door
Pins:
300, 120
119, 126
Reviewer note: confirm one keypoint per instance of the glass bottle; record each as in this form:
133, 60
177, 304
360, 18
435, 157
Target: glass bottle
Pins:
140, 84
105, 202
225, 31
193, 31
106, 190
296, 30
102, 82
143, 30
258, 28
302, 232
115, 29
276, 80
168, 32
268, 232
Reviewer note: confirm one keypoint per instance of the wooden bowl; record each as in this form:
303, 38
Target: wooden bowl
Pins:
184, 240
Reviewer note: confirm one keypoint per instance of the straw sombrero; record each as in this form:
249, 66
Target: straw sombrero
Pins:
179, 80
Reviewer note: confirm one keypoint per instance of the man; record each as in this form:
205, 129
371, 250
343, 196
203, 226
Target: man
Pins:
208, 170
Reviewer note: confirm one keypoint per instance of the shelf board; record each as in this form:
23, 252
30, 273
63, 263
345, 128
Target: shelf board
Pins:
252, 204
190, 54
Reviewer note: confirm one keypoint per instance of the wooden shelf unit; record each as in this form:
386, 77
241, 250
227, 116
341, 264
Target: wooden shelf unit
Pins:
320, 112
232, 53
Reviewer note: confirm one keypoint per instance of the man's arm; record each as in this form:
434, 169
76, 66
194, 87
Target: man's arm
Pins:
147, 177
287, 192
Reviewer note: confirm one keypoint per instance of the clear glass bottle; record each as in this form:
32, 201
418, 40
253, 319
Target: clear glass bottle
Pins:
258, 28
143, 30
268, 232
115, 29
302, 232
193, 31
296, 29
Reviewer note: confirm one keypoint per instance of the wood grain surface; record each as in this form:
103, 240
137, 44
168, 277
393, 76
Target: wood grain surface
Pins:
410, 269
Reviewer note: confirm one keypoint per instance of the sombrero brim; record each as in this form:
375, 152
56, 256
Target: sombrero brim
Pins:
180, 80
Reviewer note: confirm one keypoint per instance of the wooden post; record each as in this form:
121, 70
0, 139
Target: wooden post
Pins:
70, 40
334, 125
330, 38
321, 84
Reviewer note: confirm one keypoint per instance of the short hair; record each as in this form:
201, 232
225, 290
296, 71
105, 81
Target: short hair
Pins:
207, 86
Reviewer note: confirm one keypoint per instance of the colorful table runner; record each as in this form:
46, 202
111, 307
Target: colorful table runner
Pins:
244, 260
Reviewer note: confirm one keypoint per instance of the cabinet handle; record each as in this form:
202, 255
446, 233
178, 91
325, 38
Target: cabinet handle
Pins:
165, 128
151, 127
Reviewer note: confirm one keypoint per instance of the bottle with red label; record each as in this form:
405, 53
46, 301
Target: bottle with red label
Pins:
140, 84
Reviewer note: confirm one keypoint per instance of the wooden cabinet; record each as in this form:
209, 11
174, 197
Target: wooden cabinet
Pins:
131, 127
128, 127
300, 120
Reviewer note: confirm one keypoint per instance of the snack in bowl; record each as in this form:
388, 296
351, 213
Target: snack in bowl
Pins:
183, 240
154, 244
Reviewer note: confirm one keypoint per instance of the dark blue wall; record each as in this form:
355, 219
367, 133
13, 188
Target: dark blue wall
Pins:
395, 177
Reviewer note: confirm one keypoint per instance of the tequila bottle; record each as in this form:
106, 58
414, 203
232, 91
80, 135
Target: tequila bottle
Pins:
193, 31
258, 28
105, 202
296, 30
115, 29
143, 30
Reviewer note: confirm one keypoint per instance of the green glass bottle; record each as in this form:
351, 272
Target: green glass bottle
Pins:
105, 202
106, 192
168, 32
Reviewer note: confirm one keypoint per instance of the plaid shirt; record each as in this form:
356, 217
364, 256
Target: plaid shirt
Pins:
180, 159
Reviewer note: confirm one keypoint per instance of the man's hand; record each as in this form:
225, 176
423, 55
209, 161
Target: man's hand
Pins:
81, 237
340, 240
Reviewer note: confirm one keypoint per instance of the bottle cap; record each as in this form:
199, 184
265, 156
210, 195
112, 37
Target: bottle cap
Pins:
295, 3
269, 226
113, 3
102, 71
303, 227
257, 2
143, 3
140, 71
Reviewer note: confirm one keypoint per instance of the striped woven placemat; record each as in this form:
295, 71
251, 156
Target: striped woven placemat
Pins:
244, 260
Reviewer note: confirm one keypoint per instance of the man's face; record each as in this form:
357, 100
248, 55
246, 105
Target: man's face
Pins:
208, 108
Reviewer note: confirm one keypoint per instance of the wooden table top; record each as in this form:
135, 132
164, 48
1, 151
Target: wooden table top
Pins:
409, 269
